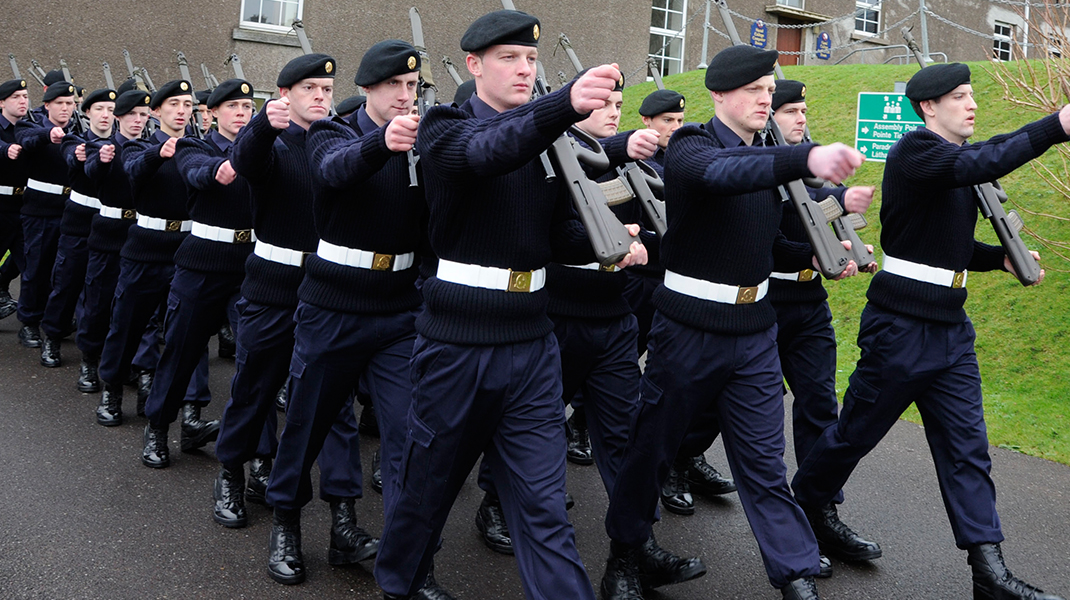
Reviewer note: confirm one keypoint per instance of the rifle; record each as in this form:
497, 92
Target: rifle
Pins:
428, 90
148, 80
990, 199
80, 124
638, 178
832, 257
183, 69
18, 75
235, 63
654, 72
452, 70
209, 79
38, 70
132, 72
107, 75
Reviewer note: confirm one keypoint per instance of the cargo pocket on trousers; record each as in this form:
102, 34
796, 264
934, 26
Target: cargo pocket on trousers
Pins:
858, 407
297, 372
418, 454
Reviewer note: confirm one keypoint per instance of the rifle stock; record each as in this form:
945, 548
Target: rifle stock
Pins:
426, 83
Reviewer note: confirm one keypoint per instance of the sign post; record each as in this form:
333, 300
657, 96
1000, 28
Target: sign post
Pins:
882, 120
759, 34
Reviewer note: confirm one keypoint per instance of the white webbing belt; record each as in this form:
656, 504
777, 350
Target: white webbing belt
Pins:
222, 234
925, 273
364, 259
715, 292
491, 278
285, 256
86, 201
163, 224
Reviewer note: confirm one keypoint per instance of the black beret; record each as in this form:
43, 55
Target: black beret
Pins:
350, 105
617, 88
201, 96
231, 89
464, 91
102, 95
307, 66
177, 87
10, 87
129, 100
126, 86
385, 60
936, 80
662, 101
53, 76
57, 90
736, 66
788, 91
79, 90
501, 27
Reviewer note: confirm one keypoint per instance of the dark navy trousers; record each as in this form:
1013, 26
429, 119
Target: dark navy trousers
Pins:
265, 346
332, 351
68, 278
197, 306
505, 402
101, 277
41, 237
906, 360
639, 292
11, 240
139, 292
688, 371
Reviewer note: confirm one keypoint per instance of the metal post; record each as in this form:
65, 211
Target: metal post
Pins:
924, 35
1025, 38
705, 37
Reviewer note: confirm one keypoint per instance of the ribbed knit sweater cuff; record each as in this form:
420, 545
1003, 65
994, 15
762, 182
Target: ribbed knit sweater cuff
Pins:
376, 153
789, 166
1046, 132
553, 115
986, 257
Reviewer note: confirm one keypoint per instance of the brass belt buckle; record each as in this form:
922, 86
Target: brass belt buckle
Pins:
747, 295
806, 275
519, 281
607, 268
19, 191
173, 225
66, 191
304, 258
959, 280
382, 262
243, 236
129, 213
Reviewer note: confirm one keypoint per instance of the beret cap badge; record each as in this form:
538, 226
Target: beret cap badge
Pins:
111, 95
412, 62
245, 88
70, 88
681, 102
803, 92
535, 32
23, 83
328, 67
183, 86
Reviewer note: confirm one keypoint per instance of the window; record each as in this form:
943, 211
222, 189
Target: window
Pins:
792, 3
667, 34
270, 15
1001, 42
867, 16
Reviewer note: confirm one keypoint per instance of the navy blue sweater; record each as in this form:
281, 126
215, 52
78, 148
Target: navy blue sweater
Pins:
44, 162
929, 212
12, 172
724, 217
490, 205
158, 192
77, 219
112, 189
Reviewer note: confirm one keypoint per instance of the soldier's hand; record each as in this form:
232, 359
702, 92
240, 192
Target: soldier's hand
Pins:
636, 251
642, 144
834, 162
167, 150
401, 133
13, 151
849, 271
56, 135
1010, 268
225, 174
79, 152
872, 267
107, 153
1064, 120
858, 198
591, 91
278, 113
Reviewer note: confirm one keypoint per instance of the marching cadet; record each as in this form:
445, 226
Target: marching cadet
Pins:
486, 368
205, 113
210, 262
47, 188
358, 301
713, 340
107, 235
147, 266
72, 254
271, 155
14, 104
917, 342
350, 105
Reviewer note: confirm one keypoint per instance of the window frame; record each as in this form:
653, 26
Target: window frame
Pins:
664, 57
1002, 43
269, 27
864, 6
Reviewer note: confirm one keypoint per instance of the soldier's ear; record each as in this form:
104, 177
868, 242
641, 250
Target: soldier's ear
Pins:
474, 64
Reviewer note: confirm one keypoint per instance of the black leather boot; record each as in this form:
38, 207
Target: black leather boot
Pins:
579, 439
490, 521
676, 492
803, 588
368, 424
228, 346
431, 589
621, 579
155, 454
349, 543
256, 486
195, 432
658, 566
229, 494
30, 336
836, 539
706, 480
285, 563
281, 397
88, 379
992, 580
8, 305
377, 471
110, 409
50, 353
144, 388
826, 567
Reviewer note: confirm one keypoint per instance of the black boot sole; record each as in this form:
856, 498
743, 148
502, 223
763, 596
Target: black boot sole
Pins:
583, 461
51, 364
113, 422
163, 464
30, 343
693, 572
201, 440
229, 523
87, 388
685, 511
286, 579
337, 557
256, 496
845, 556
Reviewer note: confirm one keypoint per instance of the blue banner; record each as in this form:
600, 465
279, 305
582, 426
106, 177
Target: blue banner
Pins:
824, 46
759, 34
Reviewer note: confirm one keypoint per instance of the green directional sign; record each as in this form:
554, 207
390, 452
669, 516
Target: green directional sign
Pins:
882, 120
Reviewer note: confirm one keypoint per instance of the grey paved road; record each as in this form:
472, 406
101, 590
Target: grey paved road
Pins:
81, 518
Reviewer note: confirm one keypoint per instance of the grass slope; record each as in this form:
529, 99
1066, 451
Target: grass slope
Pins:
1022, 334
